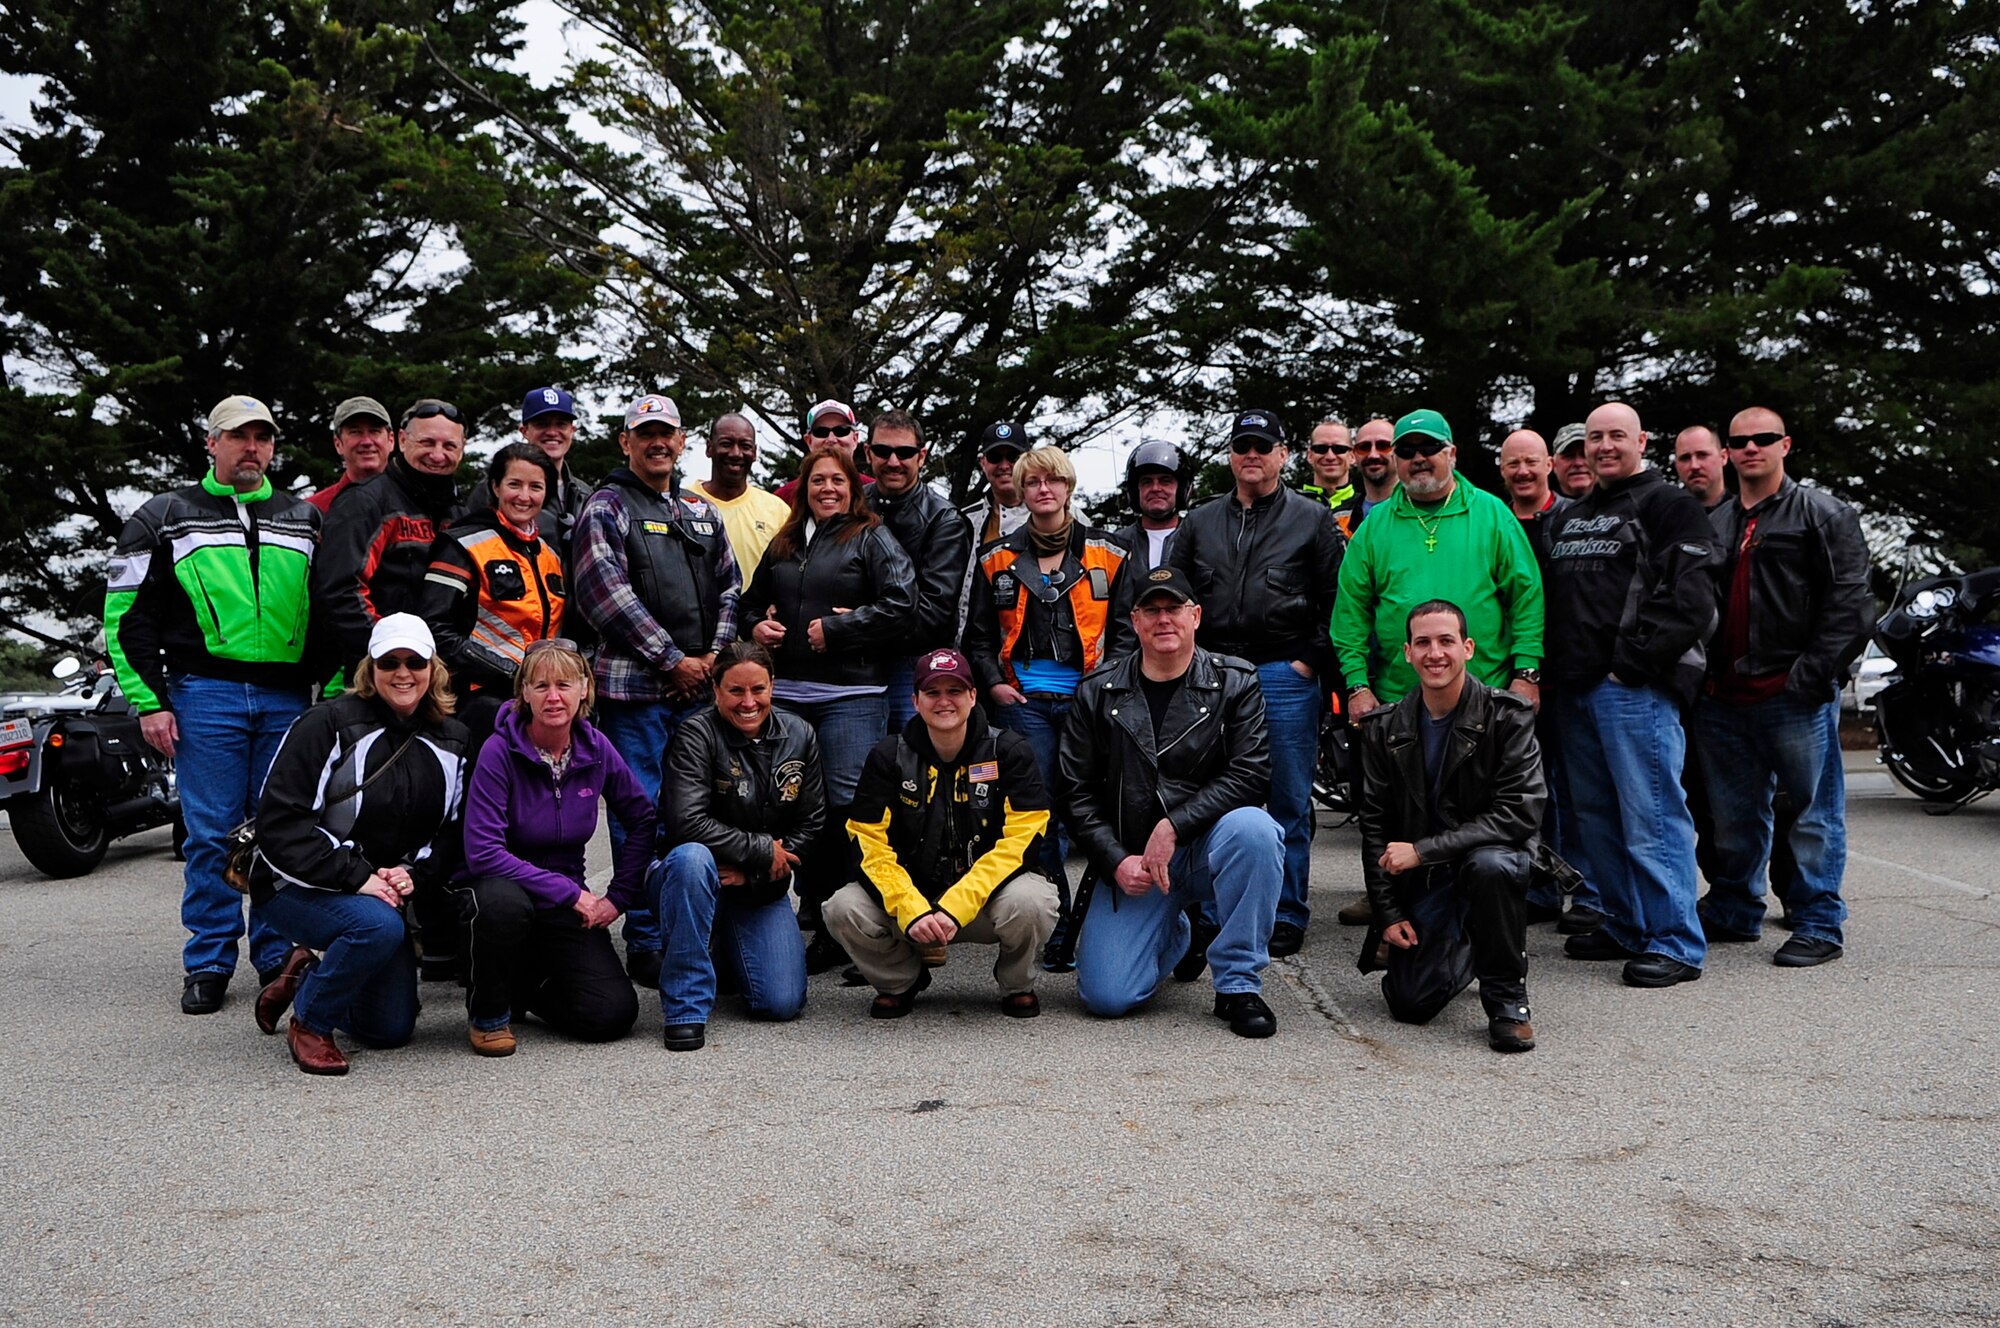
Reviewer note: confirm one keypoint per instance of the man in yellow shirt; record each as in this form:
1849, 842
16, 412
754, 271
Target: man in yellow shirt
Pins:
750, 515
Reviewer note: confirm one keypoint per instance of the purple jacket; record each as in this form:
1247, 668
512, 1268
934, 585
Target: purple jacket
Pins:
521, 826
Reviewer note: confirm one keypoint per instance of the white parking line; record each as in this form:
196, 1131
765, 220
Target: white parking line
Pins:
1976, 891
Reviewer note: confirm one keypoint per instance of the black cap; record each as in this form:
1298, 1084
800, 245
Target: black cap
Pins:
1257, 424
1166, 580
1002, 433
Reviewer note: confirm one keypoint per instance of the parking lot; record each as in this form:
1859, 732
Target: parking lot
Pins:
1787, 1146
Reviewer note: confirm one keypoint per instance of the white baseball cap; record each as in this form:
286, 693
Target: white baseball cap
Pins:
404, 631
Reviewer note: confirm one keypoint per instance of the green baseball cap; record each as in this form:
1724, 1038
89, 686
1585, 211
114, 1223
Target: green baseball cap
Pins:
1426, 422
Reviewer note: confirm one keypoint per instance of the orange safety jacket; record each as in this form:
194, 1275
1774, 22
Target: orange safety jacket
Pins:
488, 596
1098, 560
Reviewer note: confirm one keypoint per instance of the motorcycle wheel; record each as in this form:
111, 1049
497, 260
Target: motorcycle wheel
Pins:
61, 829
1931, 787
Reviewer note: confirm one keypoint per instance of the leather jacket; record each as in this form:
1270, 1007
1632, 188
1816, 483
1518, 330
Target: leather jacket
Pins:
734, 796
1115, 780
1492, 790
1266, 576
938, 541
1810, 608
869, 575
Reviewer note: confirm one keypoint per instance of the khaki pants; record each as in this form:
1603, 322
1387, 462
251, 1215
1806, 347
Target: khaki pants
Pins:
1018, 918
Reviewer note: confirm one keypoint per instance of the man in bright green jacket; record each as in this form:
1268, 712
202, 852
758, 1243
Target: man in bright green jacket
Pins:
1437, 538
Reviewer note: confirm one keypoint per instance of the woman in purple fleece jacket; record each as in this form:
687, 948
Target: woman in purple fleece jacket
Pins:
539, 938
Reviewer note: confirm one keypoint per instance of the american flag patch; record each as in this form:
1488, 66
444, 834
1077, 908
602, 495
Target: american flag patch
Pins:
985, 772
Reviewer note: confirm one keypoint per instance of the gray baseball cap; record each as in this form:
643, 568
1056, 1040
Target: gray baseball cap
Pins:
355, 407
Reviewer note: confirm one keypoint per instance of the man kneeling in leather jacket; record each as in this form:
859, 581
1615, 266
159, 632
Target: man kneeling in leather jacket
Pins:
1451, 801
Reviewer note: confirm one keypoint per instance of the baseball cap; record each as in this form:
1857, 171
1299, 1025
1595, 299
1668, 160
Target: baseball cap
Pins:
235, 412
943, 664
547, 401
357, 408
1002, 434
1570, 435
1257, 424
1167, 580
405, 631
830, 407
652, 407
1426, 422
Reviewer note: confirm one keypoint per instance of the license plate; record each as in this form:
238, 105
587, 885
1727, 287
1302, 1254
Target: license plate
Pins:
16, 730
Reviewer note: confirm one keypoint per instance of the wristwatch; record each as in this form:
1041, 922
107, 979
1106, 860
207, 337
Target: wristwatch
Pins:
1528, 675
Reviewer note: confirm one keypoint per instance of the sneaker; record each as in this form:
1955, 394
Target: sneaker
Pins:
1805, 952
492, 1041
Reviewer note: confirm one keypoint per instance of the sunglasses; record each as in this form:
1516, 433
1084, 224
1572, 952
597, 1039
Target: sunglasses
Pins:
1321, 449
1416, 447
833, 431
1247, 444
1366, 445
881, 452
552, 643
425, 410
1739, 441
390, 663
1001, 458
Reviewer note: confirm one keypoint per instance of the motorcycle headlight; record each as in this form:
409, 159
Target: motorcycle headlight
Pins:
1924, 605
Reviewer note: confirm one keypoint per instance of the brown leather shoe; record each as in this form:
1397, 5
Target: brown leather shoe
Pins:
1510, 1035
315, 1052
494, 1042
276, 998
1357, 914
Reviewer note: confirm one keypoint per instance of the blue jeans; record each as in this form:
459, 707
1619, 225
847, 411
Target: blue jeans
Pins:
1623, 748
847, 730
1130, 942
640, 731
761, 940
1040, 720
229, 732
1748, 752
366, 980
1291, 715
1561, 815
899, 698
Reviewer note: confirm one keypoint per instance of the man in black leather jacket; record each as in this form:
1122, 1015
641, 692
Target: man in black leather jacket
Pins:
1451, 800
937, 538
1164, 770
1266, 562
1795, 613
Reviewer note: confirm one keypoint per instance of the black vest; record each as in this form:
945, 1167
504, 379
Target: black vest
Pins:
671, 546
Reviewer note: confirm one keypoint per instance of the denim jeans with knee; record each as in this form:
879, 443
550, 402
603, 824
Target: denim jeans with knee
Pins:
639, 731
228, 733
1291, 716
1130, 942
702, 923
1788, 744
1623, 748
365, 982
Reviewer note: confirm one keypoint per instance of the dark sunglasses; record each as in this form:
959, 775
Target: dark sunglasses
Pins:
552, 643
882, 452
1739, 441
425, 410
832, 430
1366, 445
390, 663
1321, 449
1001, 458
1247, 444
1416, 447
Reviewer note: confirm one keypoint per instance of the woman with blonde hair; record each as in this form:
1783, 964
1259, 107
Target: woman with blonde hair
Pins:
539, 939
359, 810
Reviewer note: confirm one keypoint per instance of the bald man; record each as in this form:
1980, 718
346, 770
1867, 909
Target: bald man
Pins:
1699, 461
1631, 603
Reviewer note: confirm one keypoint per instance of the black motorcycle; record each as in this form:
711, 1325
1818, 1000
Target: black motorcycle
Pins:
75, 773
1938, 720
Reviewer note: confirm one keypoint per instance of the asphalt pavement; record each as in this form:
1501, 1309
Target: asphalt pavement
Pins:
1763, 1146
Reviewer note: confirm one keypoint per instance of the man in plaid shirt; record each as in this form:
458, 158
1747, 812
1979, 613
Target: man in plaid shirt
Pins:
654, 575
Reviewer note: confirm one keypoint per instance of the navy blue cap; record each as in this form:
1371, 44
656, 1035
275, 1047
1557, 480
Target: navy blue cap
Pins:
545, 401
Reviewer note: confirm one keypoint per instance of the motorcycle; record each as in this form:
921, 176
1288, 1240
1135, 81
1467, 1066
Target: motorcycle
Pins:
1938, 721
75, 773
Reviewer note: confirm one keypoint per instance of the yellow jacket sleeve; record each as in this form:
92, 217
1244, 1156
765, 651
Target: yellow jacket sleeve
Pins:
971, 891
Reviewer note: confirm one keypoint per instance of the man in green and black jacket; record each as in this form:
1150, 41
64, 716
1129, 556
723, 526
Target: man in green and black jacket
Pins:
205, 620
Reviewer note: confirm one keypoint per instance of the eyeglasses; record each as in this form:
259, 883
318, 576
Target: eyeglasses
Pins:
1366, 445
425, 410
552, 643
1739, 441
882, 453
1321, 449
390, 663
1251, 443
1411, 448
833, 431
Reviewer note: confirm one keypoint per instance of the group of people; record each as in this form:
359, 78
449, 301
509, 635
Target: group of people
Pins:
904, 715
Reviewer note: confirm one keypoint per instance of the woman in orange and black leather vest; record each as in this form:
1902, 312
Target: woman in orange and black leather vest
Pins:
1043, 614
495, 586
